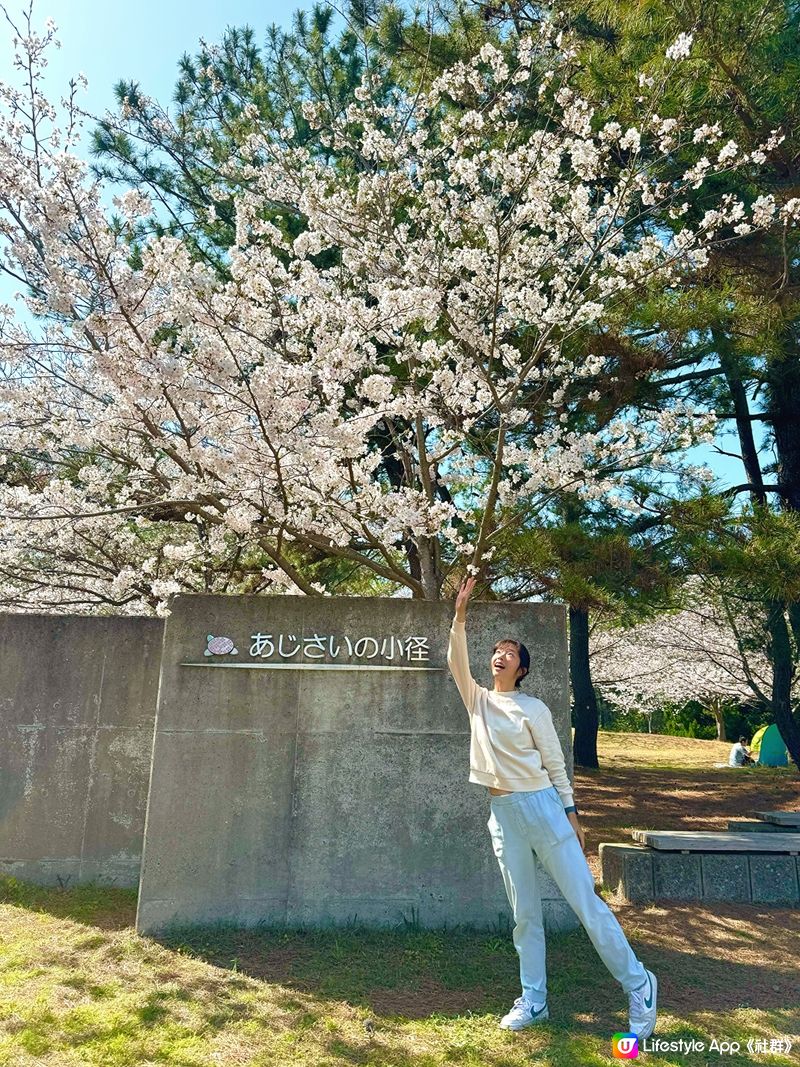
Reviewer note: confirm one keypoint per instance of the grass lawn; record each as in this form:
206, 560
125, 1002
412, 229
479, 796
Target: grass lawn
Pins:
78, 986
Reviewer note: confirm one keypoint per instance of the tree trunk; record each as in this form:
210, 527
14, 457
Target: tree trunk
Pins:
431, 579
741, 408
716, 708
783, 375
782, 407
780, 655
584, 748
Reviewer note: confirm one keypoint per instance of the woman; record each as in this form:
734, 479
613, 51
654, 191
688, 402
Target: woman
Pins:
516, 753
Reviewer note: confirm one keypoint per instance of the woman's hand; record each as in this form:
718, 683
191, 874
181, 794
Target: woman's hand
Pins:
463, 596
576, 826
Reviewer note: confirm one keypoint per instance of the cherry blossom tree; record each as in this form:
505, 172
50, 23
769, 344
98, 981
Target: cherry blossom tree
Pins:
711, 650
167, 429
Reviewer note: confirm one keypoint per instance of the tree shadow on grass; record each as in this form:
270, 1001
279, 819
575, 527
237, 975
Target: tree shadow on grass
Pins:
414, 972
415, 975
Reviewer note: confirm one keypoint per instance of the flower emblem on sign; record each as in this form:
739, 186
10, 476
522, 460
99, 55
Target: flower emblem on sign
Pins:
219, 646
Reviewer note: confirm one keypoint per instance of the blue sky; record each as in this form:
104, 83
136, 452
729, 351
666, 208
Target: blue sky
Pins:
144, 41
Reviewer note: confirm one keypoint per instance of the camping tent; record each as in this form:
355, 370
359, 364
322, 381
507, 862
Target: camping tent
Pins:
767, 745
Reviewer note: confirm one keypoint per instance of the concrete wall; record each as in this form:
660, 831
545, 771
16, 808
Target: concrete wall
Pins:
292, 794
77, 703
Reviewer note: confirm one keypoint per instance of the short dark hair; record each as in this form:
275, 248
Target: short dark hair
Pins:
524, 655
742, 740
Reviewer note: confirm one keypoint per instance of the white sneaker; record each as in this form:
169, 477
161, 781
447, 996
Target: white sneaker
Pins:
523, 1014
642, 1012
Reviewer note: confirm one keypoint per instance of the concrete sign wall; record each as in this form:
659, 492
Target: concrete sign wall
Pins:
311, 758
77, 703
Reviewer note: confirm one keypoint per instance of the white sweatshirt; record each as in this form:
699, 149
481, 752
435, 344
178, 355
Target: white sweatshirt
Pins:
513, 743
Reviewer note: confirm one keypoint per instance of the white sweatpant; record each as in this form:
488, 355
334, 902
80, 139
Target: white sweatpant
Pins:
534, 821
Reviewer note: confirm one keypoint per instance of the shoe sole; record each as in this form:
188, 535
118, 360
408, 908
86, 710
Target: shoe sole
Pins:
524, 1026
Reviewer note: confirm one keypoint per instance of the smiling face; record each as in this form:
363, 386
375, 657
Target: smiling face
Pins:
506, 667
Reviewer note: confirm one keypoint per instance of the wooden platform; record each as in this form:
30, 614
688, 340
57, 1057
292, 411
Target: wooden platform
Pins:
780, 818
698, 841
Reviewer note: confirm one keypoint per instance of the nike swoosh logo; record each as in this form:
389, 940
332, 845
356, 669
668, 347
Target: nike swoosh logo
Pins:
649, 1003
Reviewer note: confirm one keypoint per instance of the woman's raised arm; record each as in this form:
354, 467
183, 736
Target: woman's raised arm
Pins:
457, 656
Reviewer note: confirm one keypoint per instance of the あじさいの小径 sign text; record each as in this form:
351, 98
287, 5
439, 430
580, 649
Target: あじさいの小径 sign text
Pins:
320, 652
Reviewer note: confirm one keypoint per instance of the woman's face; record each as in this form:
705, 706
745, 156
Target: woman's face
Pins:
505, 665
